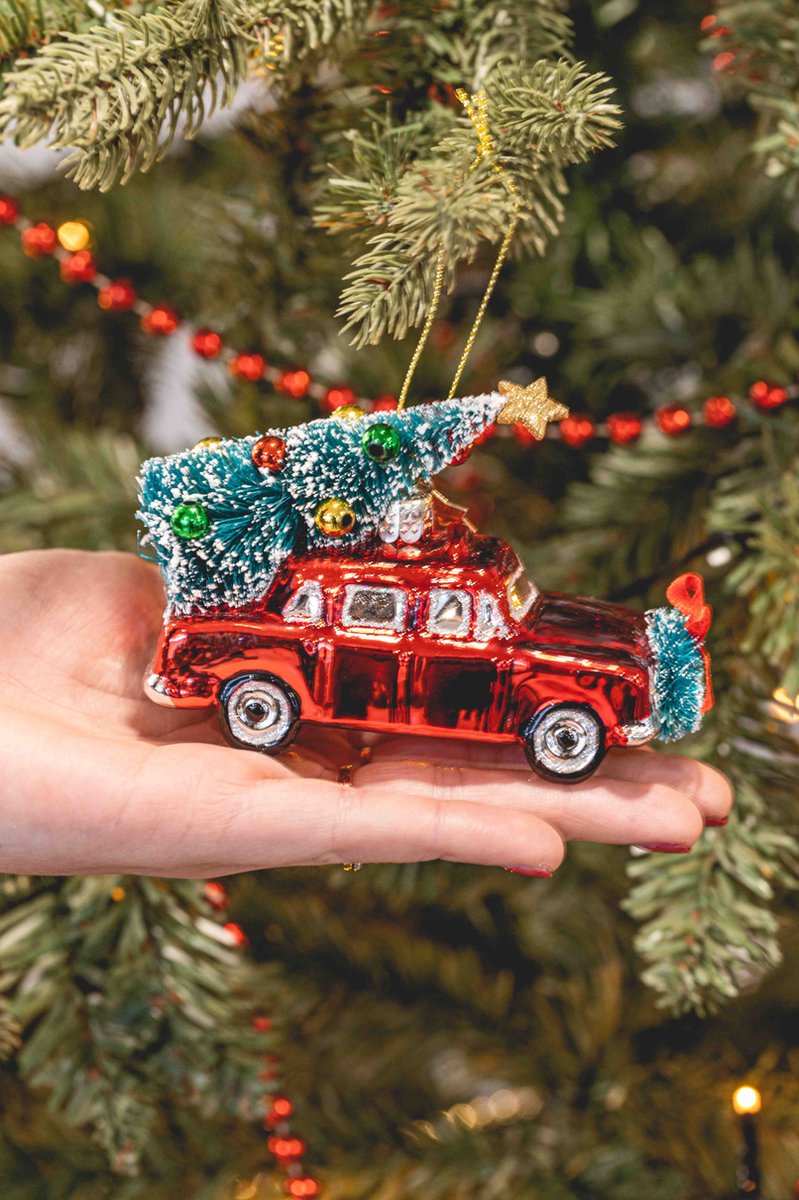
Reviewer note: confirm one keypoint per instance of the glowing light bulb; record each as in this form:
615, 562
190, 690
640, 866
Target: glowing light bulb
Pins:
746, 1099
74, 236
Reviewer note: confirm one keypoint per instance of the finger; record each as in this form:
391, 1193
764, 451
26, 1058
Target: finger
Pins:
706, 787
611, 810
197, 810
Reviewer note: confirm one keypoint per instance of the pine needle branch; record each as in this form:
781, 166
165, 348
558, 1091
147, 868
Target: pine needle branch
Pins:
117, 94
543, 118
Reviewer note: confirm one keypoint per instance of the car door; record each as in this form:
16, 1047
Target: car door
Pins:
454, 673
369, 655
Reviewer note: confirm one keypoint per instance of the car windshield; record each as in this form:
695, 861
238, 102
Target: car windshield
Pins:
521, 593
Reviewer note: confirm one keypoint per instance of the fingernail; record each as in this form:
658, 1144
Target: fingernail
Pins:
716, 822
533, 872
665, 848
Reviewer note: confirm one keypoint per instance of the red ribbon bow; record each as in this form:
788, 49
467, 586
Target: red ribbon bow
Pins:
687, 594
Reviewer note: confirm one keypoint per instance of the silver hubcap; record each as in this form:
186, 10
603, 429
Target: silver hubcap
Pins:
259, 713
566, 740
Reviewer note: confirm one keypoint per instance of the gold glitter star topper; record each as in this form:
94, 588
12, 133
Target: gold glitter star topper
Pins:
530, 406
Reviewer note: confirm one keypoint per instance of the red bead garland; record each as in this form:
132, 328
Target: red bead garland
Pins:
236, 934
38, 240
247, 366
9, 210
117, 296
719, 411
293, 383
674, 419
160, 321
624, 428
207, 343
766, 396
216, 895
78, 267
577, 429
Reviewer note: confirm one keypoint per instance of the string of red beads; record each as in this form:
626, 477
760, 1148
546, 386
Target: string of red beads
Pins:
283, 1144
576, 431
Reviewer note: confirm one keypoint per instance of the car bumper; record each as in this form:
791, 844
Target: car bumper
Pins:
155, 688
637, 733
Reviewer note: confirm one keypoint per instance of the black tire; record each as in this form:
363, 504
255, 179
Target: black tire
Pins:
259, 712
564, 742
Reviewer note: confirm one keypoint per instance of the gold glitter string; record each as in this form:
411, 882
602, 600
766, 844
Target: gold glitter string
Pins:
477, 111
435, 299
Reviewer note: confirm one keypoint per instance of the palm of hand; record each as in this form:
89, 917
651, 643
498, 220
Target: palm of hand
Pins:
95, 778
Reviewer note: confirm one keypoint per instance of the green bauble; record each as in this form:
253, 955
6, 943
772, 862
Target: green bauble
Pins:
189, 521
381, 443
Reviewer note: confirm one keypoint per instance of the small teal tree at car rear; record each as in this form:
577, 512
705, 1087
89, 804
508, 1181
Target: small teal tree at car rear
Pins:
221, 525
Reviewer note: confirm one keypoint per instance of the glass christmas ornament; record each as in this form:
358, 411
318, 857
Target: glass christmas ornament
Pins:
189, 521
207, 443
269, 452
348, 412
344, 590
334, 517
381, 443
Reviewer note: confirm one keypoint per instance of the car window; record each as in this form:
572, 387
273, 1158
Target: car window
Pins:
489, 621
521, 593
450, 612
306, 605
368, 607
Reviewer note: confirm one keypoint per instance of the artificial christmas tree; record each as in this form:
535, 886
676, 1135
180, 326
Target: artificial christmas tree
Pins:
447, 1031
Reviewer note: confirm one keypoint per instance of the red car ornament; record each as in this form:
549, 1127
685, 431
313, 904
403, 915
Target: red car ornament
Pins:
433, 629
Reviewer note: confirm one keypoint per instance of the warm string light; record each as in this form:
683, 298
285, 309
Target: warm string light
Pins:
40, 240
746, 1099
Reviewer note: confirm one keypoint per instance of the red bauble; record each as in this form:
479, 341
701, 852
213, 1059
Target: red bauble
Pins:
577, 429
247, 366
338, 397
386, 403
674, 419
261, 1024
160, 321
286, 1147
719, 411
766, 396
216, 895
302, 1186
236, 934
624, 428
206, 343
269, 453
293, 383
9, 210
38, 240
117, 296
78, 267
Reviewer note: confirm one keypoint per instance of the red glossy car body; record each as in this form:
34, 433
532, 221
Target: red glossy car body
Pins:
444, 639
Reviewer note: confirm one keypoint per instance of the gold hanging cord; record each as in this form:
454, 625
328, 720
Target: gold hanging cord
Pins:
477, 110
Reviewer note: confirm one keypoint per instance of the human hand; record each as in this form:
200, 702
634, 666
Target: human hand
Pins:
94, 778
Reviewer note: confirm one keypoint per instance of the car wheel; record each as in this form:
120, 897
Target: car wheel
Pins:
259, 712
565, 742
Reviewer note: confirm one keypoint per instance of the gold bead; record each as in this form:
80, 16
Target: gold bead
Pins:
335, 517
74, 236
348, 412
207, 443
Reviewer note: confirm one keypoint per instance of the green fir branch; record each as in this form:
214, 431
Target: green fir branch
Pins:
117, 94
543, 118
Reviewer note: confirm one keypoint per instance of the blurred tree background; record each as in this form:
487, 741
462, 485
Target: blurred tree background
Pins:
446, 1032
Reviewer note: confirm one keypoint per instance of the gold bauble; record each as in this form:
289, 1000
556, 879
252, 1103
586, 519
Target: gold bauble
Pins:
334, 517
207, 443
348, 412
